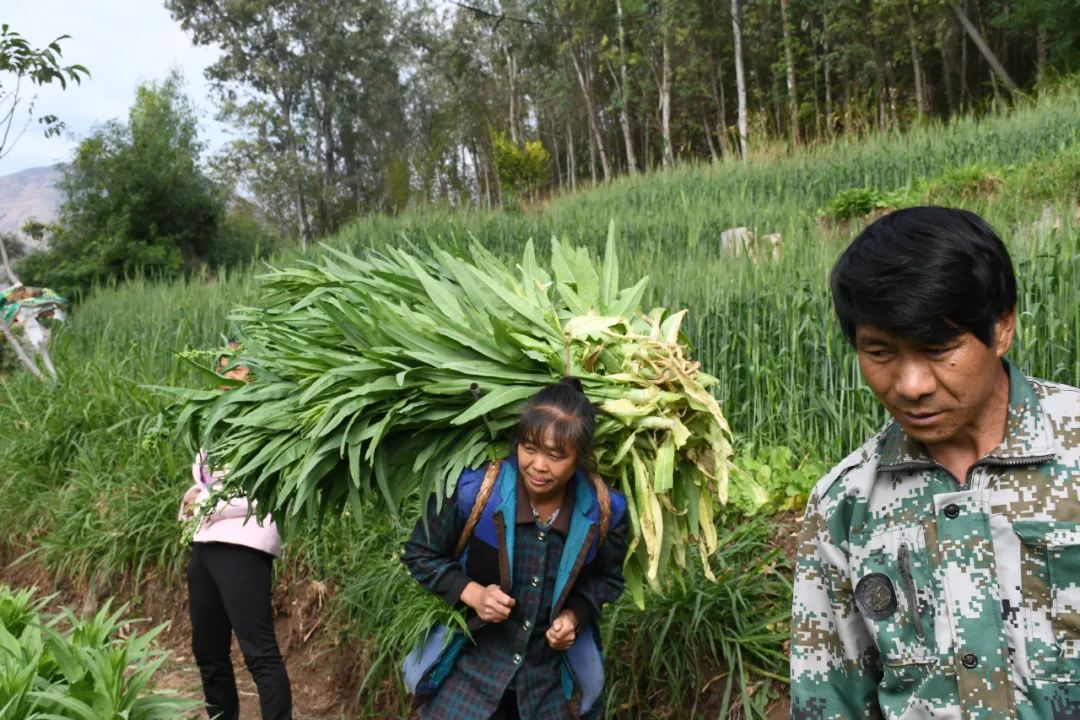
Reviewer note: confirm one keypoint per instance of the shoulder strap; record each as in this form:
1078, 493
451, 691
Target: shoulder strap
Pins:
486, 486
603, 498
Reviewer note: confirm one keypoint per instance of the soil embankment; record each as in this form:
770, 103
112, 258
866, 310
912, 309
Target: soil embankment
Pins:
324, 673
325, 670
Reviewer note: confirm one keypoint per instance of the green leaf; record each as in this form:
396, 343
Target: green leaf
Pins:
494, 400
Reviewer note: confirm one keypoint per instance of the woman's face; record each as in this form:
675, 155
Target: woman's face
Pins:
240, 372
546, 467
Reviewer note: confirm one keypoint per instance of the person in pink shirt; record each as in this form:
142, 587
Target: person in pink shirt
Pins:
229, 584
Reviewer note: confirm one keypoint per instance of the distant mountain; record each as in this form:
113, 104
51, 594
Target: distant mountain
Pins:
29, 194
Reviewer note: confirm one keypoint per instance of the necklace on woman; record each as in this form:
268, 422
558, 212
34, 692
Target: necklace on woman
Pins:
536, 516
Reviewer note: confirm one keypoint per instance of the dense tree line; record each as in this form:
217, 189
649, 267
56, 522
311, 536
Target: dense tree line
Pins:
359, 105
351, 106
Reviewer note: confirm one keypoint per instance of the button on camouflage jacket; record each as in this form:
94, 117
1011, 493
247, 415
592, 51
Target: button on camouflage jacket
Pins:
918, 595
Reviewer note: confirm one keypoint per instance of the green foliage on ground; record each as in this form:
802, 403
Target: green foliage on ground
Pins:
65, 667
855, 203
772, 479
76, 474
1048, 181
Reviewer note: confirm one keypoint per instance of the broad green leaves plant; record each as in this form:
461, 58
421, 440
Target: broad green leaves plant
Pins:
393, 372
772, 479
63, 667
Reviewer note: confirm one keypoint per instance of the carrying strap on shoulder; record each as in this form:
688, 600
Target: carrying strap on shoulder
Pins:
603, 498
486, 486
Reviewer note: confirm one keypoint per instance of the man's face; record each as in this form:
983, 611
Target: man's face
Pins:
935, 392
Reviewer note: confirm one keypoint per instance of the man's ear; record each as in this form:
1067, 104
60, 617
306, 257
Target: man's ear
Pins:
1004, 332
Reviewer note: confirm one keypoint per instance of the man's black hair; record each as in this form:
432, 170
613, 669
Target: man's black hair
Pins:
925, 273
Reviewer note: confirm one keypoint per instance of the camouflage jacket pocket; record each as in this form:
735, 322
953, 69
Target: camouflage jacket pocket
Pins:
893, 583
1050, 585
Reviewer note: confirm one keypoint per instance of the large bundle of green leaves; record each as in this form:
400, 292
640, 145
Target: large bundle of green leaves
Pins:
394, 371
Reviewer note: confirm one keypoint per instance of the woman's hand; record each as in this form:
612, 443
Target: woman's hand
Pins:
563, 630
186, 505
490, 603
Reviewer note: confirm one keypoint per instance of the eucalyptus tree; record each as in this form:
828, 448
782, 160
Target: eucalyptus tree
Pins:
317, 87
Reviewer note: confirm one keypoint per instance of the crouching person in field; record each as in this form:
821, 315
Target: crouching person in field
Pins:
229, 582
938, 572
532, 547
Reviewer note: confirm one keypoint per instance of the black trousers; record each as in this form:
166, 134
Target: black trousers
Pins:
229, 590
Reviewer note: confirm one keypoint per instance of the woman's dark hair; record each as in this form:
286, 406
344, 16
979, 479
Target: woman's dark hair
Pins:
565, 411
925, 273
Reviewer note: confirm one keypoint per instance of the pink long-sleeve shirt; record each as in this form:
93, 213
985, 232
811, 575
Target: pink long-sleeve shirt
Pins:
230, 522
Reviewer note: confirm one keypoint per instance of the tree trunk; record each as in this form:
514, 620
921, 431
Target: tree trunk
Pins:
879, 62
511, 72
592, 159
665, 98
485, 159
555, 154
944, 43
964, 93
740, 79
827, 78
987, 53
916, 64
789, 59
302, 211
708, 136
5, 264
717, 82
572, 159
329, 161
624, 96
594, 121
1042, 54
298, 183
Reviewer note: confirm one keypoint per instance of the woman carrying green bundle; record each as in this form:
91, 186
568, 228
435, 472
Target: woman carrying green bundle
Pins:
532, 547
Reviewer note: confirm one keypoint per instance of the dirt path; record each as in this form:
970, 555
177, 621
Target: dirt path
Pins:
322, 676
324, 669
181, 675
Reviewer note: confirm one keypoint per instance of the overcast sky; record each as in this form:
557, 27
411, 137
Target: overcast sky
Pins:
122, 43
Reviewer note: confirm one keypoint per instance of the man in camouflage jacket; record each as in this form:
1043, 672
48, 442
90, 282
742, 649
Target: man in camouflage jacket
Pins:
938, 570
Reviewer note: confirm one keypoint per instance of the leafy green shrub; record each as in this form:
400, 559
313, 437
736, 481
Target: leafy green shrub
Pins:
64, 667
965, 184
521, 169
855, 202
773, 480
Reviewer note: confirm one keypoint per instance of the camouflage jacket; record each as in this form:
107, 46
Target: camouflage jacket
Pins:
918, 595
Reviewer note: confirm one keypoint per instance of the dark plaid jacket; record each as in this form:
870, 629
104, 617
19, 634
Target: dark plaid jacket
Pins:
514, 655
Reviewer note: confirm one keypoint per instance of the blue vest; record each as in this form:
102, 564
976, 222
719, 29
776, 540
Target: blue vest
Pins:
431, 661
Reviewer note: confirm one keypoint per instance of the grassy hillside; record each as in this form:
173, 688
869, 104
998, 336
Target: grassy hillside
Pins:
90, 484
767, 330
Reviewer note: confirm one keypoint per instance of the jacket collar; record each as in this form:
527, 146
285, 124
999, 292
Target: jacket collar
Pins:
1027, 434
566, 510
